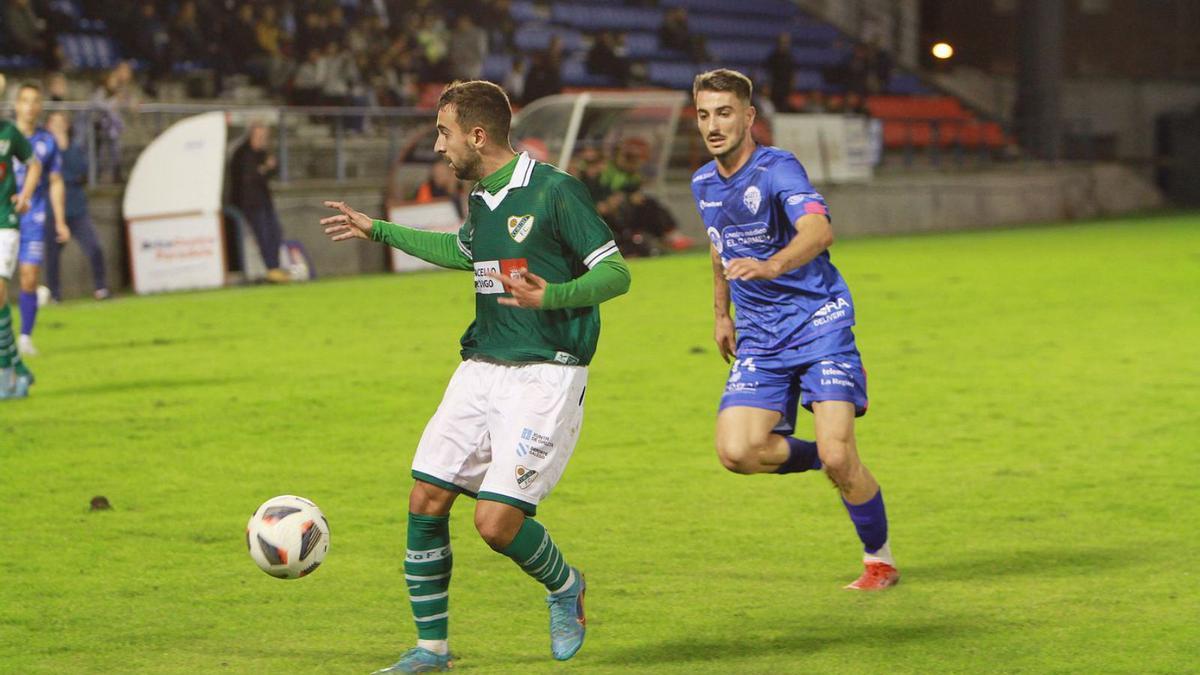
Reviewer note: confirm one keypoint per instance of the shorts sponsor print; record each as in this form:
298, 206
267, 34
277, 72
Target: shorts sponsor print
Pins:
776, 382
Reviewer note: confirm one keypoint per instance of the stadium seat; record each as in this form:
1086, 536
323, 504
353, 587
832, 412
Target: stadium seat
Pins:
496, 67
575, 74
536, 37
606, 16
781, 9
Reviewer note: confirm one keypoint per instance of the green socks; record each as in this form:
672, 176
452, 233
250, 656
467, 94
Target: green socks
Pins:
427, 572
535, 552
8, 346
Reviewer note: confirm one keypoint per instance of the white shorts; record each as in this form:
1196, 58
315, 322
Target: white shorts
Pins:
504, 432
10, 245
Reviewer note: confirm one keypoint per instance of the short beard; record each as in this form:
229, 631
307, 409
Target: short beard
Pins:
471, 169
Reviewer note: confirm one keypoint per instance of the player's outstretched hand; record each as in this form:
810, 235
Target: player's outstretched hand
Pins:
726, 338
745, 269
526, 288
20, 204
348, 224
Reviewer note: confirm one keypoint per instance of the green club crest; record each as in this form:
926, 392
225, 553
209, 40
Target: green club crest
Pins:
519, 227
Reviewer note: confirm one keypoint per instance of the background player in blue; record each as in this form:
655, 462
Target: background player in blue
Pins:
49, 202
792, 343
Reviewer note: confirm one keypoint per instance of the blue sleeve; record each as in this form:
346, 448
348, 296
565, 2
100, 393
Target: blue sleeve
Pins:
791, 190
47, 153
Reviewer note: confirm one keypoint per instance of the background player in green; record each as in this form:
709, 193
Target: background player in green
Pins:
507, 425
15, 378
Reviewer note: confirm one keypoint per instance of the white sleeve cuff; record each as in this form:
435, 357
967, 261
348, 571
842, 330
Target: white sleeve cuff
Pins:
600, 254
462, 247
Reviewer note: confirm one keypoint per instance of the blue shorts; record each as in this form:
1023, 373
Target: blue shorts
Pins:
33, 236
781, 382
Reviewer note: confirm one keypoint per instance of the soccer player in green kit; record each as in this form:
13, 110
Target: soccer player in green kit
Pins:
15, 378
543, 261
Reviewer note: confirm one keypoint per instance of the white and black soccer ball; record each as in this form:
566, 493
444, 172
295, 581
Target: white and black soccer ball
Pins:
288, 537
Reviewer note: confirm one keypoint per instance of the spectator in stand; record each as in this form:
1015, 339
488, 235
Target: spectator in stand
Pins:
514, 80
545, 72
433, 41
497, 16
782, 69
815, 102
674, 34
880, 68
107, 106
250, 168
187, 38
56, 86
441, 183
151, 43
242, 40
638, 221
267, 32
25, 30
310, 79
858, 71
468, 46
603, 59
79, 221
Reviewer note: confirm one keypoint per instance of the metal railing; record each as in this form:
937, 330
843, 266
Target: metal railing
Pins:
345, 133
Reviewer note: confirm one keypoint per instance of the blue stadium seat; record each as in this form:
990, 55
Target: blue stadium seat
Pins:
781, 9
809, 31
819, 57
752, 51
906, 83
606, 17
536, 37
673, 74
737, 26
496, 67
523, 11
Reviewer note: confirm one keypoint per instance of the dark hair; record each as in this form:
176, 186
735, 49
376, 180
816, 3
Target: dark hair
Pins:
479, 104
724, 79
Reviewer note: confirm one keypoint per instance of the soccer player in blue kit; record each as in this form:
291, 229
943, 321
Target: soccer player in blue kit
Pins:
792, 343
49, 201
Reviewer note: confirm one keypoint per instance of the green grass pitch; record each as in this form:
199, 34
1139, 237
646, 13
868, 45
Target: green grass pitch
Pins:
1035, 410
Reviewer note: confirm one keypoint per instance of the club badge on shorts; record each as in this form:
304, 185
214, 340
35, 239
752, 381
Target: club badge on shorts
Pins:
525, 477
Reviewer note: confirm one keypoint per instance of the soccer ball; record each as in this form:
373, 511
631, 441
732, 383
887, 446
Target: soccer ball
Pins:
288, 537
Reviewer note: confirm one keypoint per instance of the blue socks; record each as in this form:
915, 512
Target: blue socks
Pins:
802, 456
870, 519
29, 308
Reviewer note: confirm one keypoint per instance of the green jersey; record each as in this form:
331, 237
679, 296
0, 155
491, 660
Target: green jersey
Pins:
543, 221
12, 144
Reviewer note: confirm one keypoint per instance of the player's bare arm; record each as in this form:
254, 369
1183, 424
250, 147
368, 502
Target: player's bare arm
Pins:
58, 200
33, 173
347, 224
814, 234
724, 333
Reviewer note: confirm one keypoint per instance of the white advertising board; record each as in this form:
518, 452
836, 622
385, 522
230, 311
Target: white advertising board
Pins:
832, 148
177, 252
439, 215
172, 207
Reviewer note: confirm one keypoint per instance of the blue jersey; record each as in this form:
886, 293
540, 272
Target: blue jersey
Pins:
752, 214
46, 150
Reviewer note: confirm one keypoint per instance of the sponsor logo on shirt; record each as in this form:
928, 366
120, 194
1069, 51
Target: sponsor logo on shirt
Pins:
565, 358
709, 205
701, 176
4, 145
519, 227
510, 267
747, 234
752, 198
525, 477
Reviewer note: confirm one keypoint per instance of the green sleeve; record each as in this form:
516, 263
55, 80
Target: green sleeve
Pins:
440, 248
608, 279
21, 146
